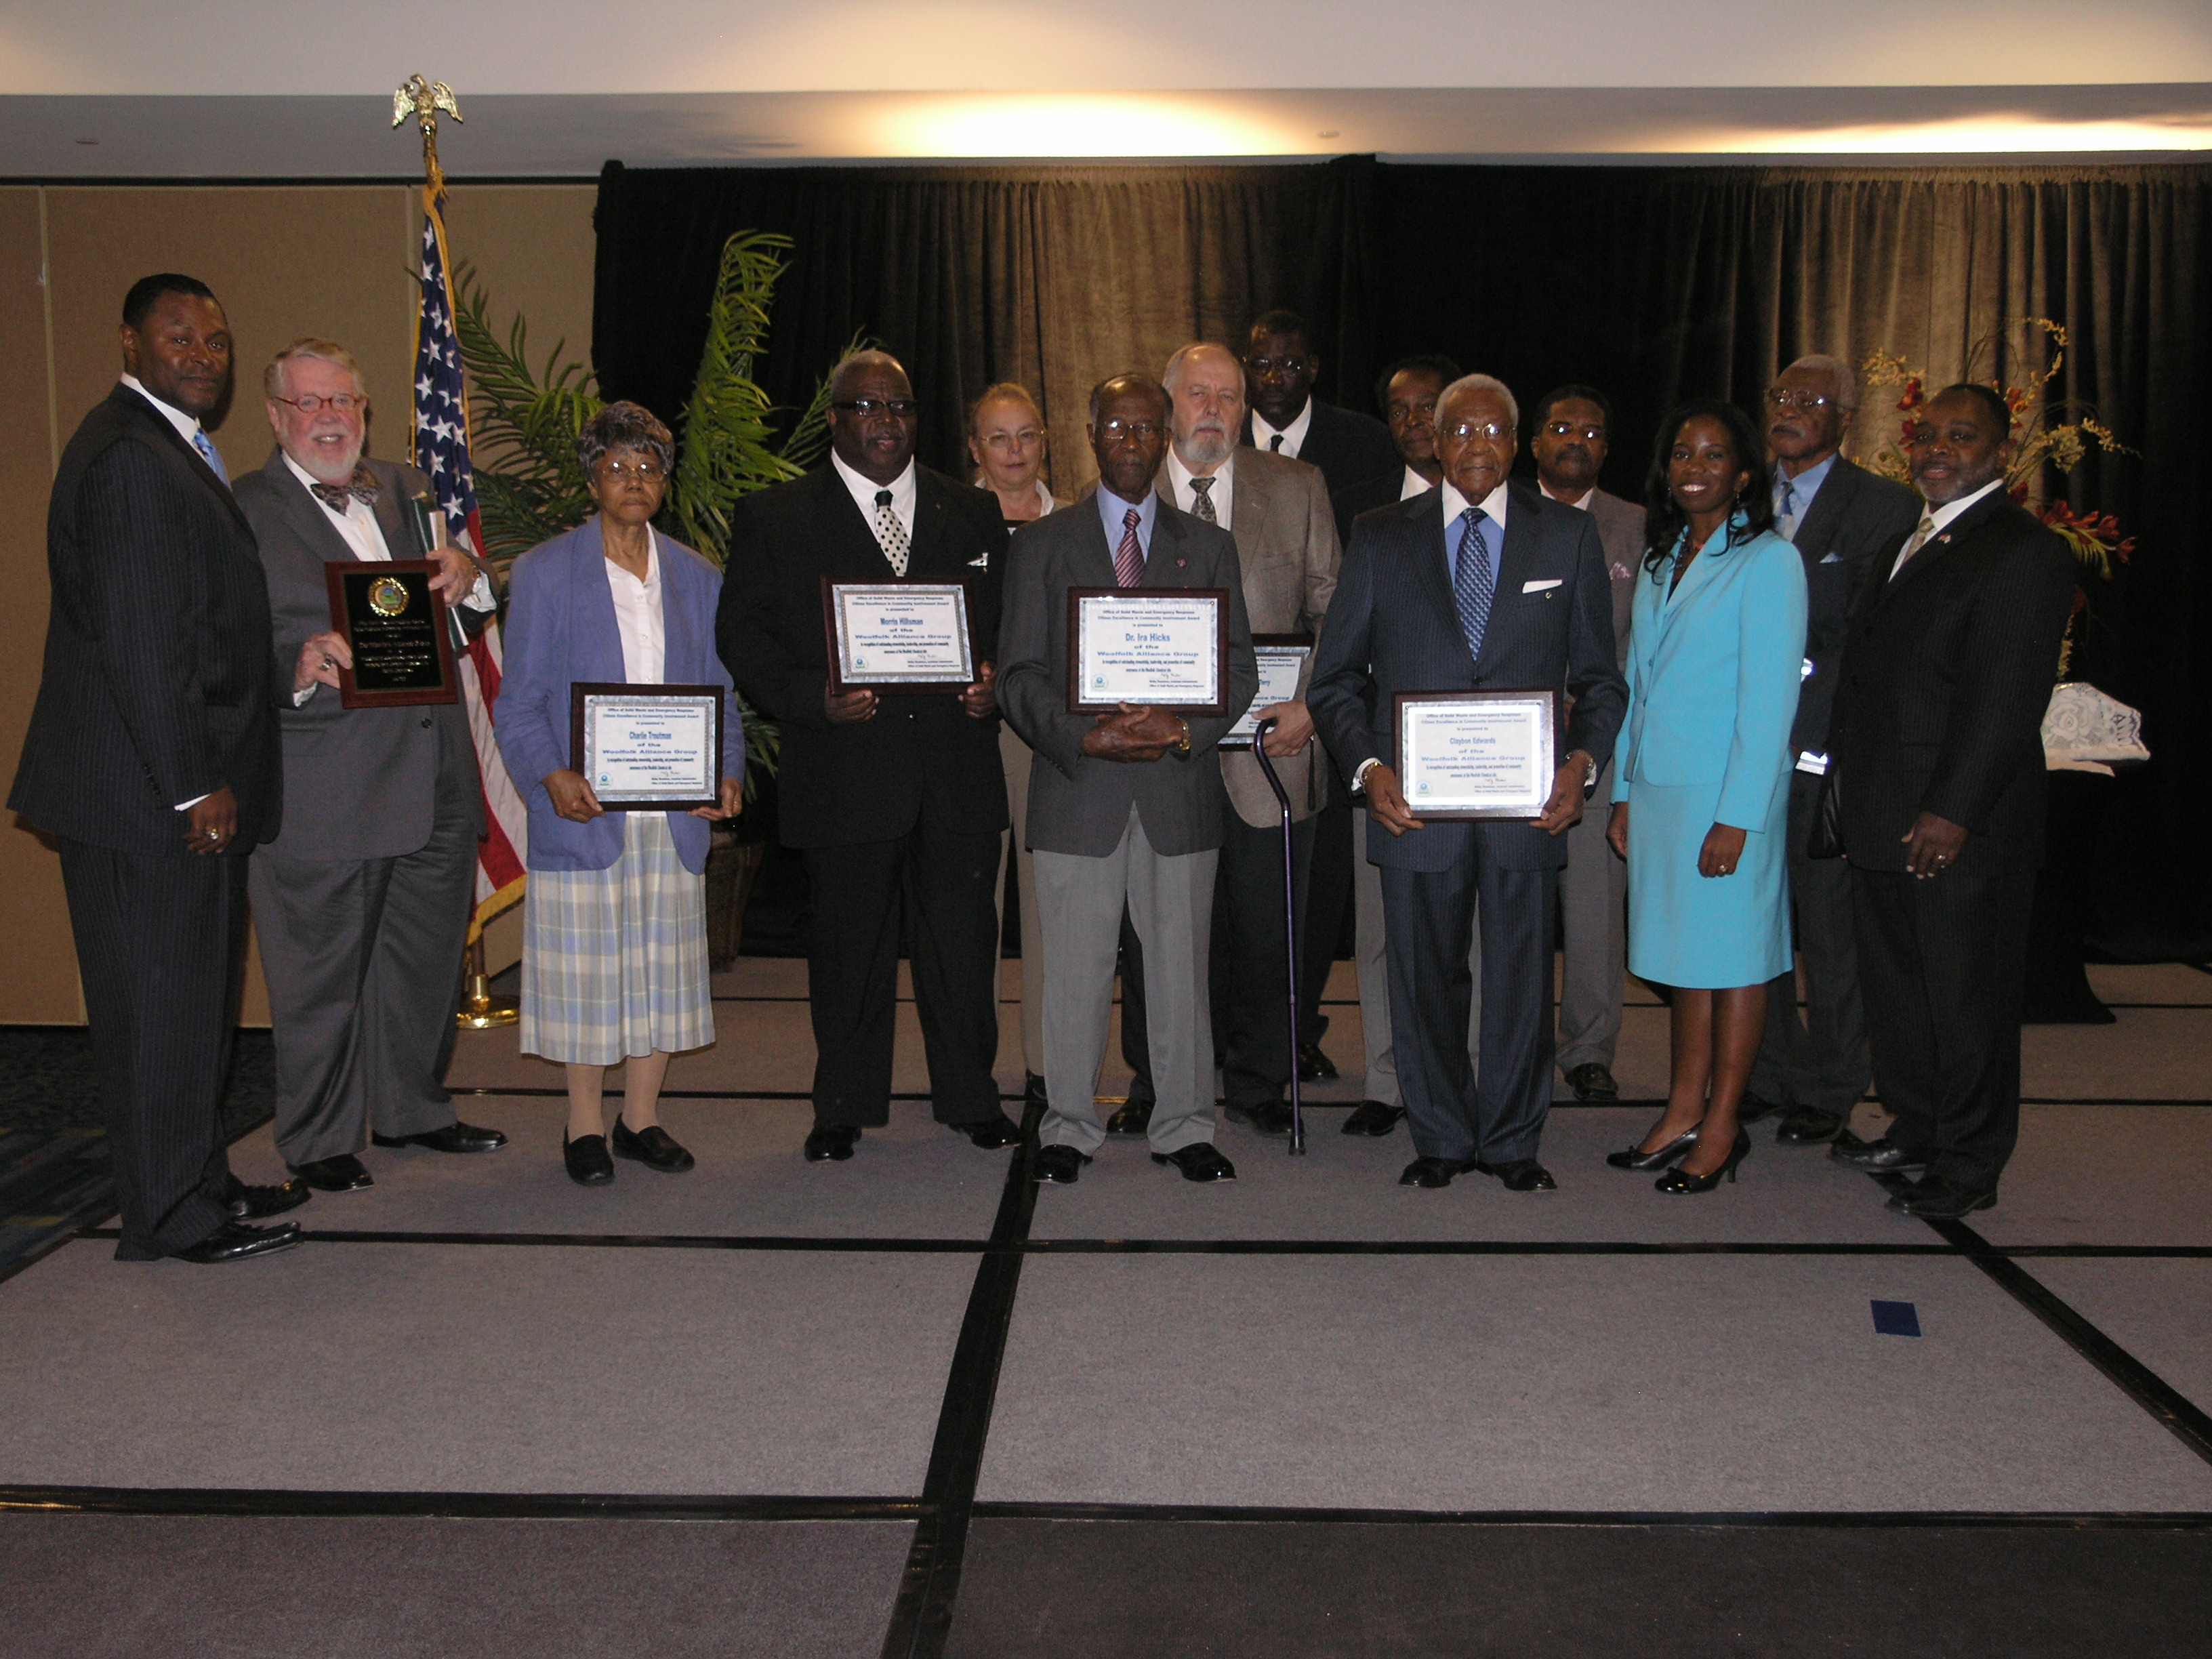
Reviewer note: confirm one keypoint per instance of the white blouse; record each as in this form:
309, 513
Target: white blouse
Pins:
638, 619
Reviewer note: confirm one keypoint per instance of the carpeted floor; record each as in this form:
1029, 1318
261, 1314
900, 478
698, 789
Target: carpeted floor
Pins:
914, 1404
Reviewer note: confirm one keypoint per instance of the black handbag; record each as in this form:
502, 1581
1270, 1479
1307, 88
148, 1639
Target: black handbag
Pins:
1825, 838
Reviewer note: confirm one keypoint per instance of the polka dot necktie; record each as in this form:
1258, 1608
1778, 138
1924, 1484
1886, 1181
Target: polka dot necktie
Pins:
890, 534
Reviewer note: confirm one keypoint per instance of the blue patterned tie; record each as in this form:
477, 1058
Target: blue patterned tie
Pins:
1785, 510
207, 453
1473, 585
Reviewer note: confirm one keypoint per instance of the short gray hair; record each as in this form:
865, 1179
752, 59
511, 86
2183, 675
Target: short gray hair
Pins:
1841, 381
1489, 383
624, 426
310, 345
1172, 374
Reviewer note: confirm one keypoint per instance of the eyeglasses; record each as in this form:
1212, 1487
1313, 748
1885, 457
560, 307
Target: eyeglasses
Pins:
899, 409
1022, 439
643, 471
1467, 431
345, 403
1118, 431
1274, 365
1595, 435
1782, 397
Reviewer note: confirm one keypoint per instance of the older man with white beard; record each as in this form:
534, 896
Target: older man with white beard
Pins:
361, 904
1278, 510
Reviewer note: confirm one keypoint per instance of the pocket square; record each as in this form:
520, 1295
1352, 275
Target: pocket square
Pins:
1832, 558
1538, 587
980, 562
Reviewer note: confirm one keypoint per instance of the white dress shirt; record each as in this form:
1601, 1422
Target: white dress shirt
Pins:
1581, 500
1941, 516
1222, 491
864, 494
638, 619
1293, 435
1414, 484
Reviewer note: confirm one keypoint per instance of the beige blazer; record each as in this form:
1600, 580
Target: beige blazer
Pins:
1287, 544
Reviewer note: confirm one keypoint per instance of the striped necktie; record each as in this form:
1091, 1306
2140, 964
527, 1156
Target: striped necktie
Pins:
1129, 557
1921, 534
208, 454
1473, 584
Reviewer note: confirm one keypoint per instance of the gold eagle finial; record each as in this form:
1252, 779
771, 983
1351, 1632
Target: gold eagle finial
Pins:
423, 99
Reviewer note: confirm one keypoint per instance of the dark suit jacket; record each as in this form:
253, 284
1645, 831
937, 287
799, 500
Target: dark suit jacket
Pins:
1945, 676
359, 782
841, 784
156, 687
1355, 455
1857, 514
1079, 803
1393, 627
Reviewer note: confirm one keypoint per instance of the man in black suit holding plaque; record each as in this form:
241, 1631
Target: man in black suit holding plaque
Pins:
1477, 586
1126, 808
361, 905
895, 800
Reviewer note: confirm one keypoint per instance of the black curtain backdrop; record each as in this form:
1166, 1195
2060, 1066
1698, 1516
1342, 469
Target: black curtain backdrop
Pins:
1654, 283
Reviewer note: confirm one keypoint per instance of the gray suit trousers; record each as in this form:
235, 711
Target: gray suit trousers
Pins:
1594, 921
1170, 903
364, 961
1014, 755
1819, 1059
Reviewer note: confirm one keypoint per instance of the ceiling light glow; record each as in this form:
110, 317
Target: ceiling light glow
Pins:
1074, 124
1977, 135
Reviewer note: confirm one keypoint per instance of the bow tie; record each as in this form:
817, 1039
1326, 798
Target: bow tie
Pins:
362, 487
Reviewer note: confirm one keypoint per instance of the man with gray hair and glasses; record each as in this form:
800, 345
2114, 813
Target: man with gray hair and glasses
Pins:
1840, 516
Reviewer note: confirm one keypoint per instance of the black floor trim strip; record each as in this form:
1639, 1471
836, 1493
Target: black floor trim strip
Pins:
2168, 1405
613, 1092
1452, 1247
629, 1241
922, 1618
470, 1505
2184, 1520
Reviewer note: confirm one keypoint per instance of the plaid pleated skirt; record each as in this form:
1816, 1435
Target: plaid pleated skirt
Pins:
613, 961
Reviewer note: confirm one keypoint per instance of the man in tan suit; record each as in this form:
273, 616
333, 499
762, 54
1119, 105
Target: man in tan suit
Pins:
1278, 510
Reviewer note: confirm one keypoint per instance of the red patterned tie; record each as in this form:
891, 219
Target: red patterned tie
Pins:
1129, 558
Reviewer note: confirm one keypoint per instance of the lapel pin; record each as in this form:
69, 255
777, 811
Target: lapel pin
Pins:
1181, 563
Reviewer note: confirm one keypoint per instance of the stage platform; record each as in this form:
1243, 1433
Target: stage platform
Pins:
912, 1405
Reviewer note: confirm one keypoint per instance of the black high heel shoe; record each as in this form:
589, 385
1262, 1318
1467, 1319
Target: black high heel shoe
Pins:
1636, 1158
1681, 1182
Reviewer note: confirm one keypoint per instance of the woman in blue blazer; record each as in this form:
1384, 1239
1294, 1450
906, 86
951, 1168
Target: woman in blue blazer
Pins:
614, 944
1715, 652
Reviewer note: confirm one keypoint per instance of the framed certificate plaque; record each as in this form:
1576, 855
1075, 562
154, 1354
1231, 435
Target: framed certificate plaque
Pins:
892, 637
1475, 754
648, 748
1165, 648
394, 622
1282, 658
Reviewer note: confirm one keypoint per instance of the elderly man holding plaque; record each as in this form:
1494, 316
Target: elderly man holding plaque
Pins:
1461, 618
361, 904
1126, 657
861, 611
1278, 510
617, 721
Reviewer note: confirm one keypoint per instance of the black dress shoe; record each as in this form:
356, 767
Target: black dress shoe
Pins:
653, 1146
1134, 1120
991, 1132
831, 1141
1269, 1117
1199, 1161
233, 1241
1677, 1181
1058, 1166
1434, 1172
344, 1174
1372, 1117
1753, 1107
1592, 1082
1809, 1126
1032, 1090
587, 1160
259, 1203
1882, 1154
453, 1138
1938, 1200
1521, 1175
1313, 1065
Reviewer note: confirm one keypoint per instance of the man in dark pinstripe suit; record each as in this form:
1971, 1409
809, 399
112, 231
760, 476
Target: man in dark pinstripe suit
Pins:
152, 757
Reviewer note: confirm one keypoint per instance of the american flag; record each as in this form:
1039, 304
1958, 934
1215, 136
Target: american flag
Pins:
441, 450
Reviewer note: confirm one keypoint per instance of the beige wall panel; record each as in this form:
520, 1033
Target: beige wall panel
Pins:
533, 251
284, 261
38, 971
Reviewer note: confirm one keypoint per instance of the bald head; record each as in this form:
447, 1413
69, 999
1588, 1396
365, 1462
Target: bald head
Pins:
872, 419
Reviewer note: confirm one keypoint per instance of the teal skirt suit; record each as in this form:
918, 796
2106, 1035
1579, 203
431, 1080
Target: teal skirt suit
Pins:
1713, 671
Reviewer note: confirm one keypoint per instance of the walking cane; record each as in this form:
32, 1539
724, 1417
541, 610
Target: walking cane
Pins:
1290, 927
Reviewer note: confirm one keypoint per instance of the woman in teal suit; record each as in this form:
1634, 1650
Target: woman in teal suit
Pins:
1715, 652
